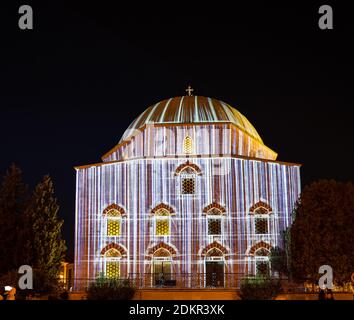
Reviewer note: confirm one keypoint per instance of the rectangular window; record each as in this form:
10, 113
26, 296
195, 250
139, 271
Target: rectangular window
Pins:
162, 227
112, 269
188, 185
113, 227
214, 226
261, 225
262, 268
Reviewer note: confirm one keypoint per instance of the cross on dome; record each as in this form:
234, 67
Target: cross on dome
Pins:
189, 90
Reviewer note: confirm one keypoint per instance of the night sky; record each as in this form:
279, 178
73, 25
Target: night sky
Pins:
70, 87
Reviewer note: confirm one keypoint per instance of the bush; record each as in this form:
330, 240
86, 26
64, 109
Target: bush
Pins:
64, 295
110, 289
259, 288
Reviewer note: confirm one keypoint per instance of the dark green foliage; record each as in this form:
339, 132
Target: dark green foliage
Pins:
30, 230
46, 244
43, 282
64, 295
9, 278
278, 261
322, 233
259, 288
13, 239
110, 289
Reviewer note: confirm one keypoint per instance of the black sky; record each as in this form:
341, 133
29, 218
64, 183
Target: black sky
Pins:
70, 87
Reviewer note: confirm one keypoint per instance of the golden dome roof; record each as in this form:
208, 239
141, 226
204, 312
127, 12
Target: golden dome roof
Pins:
191, 109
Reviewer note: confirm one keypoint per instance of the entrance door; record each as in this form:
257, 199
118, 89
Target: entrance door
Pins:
162, 272
214, 273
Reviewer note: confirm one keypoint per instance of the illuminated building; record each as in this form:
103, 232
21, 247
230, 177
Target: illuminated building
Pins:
190, 196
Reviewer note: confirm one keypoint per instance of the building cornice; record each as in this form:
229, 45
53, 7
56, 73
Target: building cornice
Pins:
190, 158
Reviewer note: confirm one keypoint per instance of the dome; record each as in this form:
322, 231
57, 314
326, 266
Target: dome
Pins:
191, 109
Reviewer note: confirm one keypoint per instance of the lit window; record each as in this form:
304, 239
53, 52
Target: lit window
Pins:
214, 226
162, 226
162, 212
261, 225
188, 185
113, 227
188, 145
112, 269
113, 253
112, 257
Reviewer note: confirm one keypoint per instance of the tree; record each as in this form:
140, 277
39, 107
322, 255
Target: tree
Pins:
13, 202
322, 232
47, 247
278, 261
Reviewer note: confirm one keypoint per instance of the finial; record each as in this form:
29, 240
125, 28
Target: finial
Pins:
189, 90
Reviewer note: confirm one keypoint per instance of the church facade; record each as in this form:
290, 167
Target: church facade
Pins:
189, 197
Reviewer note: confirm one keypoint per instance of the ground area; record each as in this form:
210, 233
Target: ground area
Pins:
210, 294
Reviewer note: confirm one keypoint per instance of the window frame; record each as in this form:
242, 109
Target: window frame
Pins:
218, 218
160, 218
188, 145
265, 218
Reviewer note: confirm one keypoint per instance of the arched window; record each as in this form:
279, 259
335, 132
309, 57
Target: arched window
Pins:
112, 254
259, 255
188, 172
162, 265
112, 257
214, 213
214, 255
161, 256
161, 216
114, 214
162, 222
262, 262
260, 212
188, 145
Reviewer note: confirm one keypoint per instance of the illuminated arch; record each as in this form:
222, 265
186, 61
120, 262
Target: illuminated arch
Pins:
161, 207
262, 252
162, 252
258, 246
189, 168
261, 208
214, 247
163, 247
215, 209
214, 252
113, 253
114, 210
114, 246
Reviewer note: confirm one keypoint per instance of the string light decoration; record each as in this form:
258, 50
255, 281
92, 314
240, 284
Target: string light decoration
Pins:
219, 209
